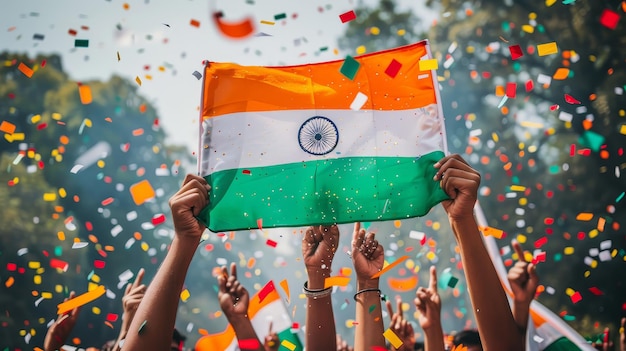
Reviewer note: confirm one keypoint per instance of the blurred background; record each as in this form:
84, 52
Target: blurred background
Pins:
100, 97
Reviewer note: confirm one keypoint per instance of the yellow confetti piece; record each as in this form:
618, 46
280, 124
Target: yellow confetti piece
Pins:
390, 266
361, 50
374, 31
35, 119
96, 310
392, 338
270, 23
288, 344
46, 295
547, 49
184, 295
535, 125
584, 216
138, 80
336, 281
550, 2
34, 265
622, 129
528, 28
81, 300
518, 188
430, 255
561, 73
37, 279
521, 238
593, 233
568, 250
427, 65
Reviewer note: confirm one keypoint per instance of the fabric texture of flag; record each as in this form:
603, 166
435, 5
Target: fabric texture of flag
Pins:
300, 145
546, 331
261, 312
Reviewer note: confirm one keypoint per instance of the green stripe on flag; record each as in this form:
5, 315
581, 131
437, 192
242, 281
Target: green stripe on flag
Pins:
562, 344
292, 340
342, 190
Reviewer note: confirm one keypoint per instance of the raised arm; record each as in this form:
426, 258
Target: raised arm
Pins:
234, 301
153, 324
428, 304
524, 281
400, 326
319, 245
497, 328
368, 259
61, 328
132, 298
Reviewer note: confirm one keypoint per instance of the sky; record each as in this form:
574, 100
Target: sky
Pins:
156, 42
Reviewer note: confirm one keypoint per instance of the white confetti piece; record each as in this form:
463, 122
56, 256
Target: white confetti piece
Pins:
359, 100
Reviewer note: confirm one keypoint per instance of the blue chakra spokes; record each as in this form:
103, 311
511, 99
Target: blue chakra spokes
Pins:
318, 136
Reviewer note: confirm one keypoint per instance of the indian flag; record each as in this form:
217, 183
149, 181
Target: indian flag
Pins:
333, 142
546, 331
261, 311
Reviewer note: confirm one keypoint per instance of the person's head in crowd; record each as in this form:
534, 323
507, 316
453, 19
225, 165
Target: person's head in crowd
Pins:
468, 338
178, 341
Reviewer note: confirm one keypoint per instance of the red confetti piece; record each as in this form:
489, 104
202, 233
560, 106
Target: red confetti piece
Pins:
572, 150
540, 242
158, 219
576, 297
511, 90
266, 290
259, 223
112, 317
554, 107
347, 17
42, 126
43, 63
246, 171
11, 267
295, 325
72, 32
541, 257
62, 265
529, 85
516, 52
609, 19
271, 243
99, 264
393, 68
594, 290
88, 226
107, 201
249, 344
571, 100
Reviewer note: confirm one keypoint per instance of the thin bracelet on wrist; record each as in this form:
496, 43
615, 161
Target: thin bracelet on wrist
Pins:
315, 293
366, 290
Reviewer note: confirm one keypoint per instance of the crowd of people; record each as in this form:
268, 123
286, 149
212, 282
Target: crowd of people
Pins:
150, 310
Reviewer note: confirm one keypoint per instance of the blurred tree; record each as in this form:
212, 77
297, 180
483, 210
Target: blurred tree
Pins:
552, 148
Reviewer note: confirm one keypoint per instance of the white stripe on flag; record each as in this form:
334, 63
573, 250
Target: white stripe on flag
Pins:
254, 139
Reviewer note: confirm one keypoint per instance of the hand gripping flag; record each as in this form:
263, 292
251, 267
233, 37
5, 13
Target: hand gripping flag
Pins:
334, 142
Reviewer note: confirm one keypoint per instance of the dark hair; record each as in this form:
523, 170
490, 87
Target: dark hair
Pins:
467, 337
178, 337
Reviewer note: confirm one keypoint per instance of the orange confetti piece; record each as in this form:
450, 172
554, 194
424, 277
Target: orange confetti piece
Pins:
28, 72
285, 285
390, 266
142, 192
194, 23
336, 281
561, 73
7, 127
584, 216
9, 282
403, 284
81, 300
85, 94
238, 30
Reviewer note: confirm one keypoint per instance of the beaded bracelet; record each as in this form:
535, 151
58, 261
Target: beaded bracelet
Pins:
316, 293
365, 290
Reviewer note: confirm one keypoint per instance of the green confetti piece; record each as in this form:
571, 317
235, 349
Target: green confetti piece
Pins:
81, 43
592, 140
350, 67
142, 326
569, 318
372, 308
280, 16
620, 197
557, 257
452, 282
